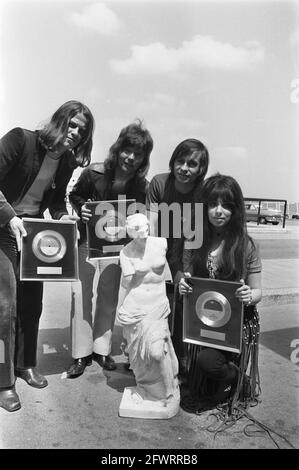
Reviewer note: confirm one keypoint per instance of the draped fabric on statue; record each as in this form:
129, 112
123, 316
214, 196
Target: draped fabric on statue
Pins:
148, 328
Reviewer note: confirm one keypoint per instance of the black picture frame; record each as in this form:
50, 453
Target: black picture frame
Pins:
212, 315
49, 252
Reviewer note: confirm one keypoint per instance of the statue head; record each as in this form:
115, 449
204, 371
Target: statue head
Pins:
137, 226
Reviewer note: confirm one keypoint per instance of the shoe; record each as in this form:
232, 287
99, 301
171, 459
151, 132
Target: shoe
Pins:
78, 366
107, 362
32, 377
9, 399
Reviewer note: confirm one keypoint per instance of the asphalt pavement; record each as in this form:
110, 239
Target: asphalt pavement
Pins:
82, 413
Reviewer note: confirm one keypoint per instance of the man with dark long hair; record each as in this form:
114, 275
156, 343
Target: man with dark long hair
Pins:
35, 168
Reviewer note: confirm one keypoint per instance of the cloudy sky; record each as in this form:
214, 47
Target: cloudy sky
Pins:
224, 72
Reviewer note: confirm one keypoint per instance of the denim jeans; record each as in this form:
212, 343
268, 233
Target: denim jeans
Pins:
20, 310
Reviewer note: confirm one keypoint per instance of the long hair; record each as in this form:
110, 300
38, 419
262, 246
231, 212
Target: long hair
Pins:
136, 136
232, 258
53, 134
189, 147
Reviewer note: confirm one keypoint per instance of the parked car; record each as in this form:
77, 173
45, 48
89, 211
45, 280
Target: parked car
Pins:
266, 216
295, 216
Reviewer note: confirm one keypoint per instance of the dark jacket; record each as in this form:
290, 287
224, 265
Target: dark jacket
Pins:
96, 184
21, 156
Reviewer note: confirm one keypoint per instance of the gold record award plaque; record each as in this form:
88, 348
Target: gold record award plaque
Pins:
49, 252
212, 315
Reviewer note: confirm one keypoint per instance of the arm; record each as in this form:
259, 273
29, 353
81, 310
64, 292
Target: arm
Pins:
6, 211
126, 277
18, 230
251, 291
184, 287
254, 280
57, 206
11, 147
187, 260
126, 281
58, 209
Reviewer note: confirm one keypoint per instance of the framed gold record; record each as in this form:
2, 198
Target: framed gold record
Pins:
106, 231
212, 315
49, 252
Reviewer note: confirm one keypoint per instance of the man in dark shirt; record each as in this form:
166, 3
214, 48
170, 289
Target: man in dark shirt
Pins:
188, 166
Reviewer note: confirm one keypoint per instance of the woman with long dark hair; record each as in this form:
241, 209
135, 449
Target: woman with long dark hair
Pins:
227, 253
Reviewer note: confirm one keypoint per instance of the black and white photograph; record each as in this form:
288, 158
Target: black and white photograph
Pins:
107, 341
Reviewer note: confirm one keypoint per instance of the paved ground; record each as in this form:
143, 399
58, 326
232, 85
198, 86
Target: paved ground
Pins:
83, 413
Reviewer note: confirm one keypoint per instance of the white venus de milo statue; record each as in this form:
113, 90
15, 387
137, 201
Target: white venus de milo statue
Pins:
142, 311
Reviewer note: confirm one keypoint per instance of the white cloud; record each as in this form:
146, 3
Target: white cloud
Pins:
97, 17
200, 52
152, 59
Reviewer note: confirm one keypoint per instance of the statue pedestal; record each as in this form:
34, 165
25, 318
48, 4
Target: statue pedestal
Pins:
134, 406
